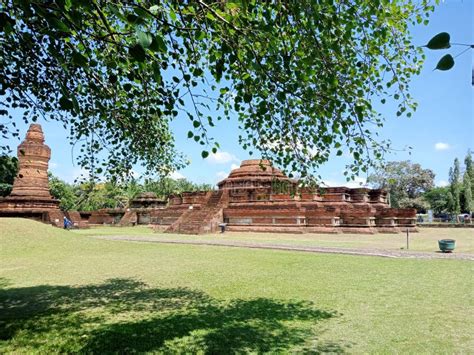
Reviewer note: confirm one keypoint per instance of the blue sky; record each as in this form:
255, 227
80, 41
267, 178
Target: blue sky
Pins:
440, 130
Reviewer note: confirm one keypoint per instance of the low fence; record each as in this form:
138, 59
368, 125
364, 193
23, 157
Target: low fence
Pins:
445, 225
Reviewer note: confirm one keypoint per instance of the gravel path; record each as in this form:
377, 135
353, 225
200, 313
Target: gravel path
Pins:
308, 249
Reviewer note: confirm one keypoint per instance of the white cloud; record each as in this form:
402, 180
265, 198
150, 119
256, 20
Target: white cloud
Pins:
358, 182
330, 183
222, 175
75, 173
176, 175
442, 183
442, 146
53, 165
222, 158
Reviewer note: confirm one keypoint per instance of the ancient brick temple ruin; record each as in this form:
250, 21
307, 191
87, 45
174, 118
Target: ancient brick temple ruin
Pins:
258, 197
254, 197
30, 196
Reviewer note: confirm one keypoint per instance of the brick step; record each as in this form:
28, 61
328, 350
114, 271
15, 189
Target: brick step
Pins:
188, 229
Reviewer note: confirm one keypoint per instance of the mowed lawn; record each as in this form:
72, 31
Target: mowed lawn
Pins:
425, 240
62, 291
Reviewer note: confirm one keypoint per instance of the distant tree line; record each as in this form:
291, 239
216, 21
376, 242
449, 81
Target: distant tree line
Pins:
411, 186
8, 170
406, 183
89, 196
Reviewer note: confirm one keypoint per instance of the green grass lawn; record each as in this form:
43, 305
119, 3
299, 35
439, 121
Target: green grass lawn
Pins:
63, 291
109, 230
425, 240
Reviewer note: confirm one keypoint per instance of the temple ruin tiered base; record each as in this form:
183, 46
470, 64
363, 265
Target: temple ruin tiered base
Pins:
257, 197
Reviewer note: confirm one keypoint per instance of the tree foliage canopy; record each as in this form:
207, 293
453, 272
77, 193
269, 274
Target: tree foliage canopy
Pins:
87, 196
455, 187
300, 76
8, 171
406, 182
438, 199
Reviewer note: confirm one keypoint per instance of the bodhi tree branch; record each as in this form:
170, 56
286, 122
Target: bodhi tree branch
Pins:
299, 76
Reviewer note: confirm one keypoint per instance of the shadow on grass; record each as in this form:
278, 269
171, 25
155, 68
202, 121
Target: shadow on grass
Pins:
124, 315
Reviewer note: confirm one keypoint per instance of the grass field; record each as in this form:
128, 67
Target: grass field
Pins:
425, 240
66, 292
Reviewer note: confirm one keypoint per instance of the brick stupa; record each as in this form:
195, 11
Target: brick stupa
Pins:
30, 196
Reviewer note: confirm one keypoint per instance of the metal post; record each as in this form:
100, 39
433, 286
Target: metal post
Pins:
408, 243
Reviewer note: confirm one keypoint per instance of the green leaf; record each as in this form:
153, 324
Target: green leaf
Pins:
196, 124
59, 25
200, 35
112, 79
440, 41
158, 44
172, 15
445, 63
204, 154
219, 69
190, 134
114, 9
137, 52
65, 103
144, 39
210, 16
79, 60
132, 19
4, 20
157, 72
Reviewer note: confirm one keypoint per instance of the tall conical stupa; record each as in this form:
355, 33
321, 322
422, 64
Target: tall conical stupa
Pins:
30, 196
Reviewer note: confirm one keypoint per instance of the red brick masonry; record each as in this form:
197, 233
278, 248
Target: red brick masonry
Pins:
254, 197
248, 201
30, 196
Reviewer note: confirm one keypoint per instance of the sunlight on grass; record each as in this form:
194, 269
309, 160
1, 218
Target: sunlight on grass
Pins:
107, 230
425, 240
65, 292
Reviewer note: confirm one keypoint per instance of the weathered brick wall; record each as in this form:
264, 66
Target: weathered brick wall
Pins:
76, 219
246, 200
198, 197
166, 216
130, 218
30, 196
101, 217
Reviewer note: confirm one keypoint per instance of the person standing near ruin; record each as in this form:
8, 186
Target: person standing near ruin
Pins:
67, 223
